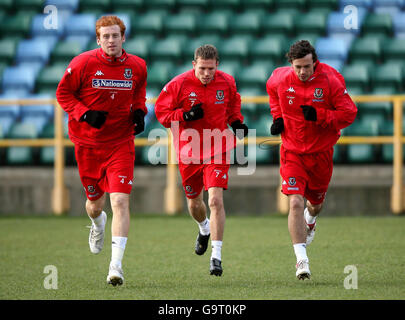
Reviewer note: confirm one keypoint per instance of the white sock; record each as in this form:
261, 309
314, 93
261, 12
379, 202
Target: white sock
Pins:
204, 227
117, 250
300, 250
308, 218
98, 222
216, 249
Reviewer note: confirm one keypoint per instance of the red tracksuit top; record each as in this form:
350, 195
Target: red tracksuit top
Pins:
221, 104
96, 81
326, 91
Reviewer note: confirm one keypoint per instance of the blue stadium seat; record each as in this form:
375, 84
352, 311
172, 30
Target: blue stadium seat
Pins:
19, 78
336, 23
334, 63
71, 5
39, 29
388, 6
33, 50
399, 25
367, 4
331, 48
81, 25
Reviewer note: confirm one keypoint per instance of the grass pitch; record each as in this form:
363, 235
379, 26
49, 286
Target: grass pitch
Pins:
160, 263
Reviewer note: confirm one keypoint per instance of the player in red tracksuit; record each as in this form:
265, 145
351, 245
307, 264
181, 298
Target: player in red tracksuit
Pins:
103, 91
310, 105
198, 105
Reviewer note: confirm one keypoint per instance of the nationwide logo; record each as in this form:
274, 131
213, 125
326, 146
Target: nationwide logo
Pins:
112, 84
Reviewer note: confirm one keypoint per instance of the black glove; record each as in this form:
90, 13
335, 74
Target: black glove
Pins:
309, 112
277, 127
138, 118
195, 113
94, 118
237, 125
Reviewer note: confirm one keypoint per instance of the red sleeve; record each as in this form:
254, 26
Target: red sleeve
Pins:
271, 88
233, 111
344, 111
166, 107
68, 88
139, 98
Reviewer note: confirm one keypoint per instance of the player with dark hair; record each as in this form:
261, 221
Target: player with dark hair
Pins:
202, 102
310, 105
103, 91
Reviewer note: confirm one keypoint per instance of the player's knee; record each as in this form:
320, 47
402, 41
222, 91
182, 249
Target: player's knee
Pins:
296, 203
216, 203
314, 208
93, 208
120, 201
195, 204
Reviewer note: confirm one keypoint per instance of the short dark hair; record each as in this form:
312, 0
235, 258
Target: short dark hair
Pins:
300, 49
206, 52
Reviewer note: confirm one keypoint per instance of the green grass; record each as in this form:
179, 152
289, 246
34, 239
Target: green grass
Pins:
159, 262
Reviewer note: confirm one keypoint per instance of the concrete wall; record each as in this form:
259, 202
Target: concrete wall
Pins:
354, 190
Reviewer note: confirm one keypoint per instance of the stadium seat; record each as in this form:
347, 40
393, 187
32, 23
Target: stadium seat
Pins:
199, 4
262, 4
356, 75
33, 51
234, 48
336, 24
378, 24
47, 155
298, 4
8, 50
331, 48
254, 75
65, 51
92, 5
149, 23
19, 156
250, 109
81, 25
366, 48
161, 4
18, 24
388, 6
39, 115
124, 5
159, 74
399, 25
278, 23
394, 49
23, 131
361, 153
19, 77
183, 23
214, 23
388, 75
38, 27
138, 47
366, 4
168, 49
328, 4
271, 48
194, 43
312, 22
245, 23
70, 5
231, 67
6, 5
36, 5
8, 116
49, 77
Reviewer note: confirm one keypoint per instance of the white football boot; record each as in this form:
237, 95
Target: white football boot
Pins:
115, 275
303, 270
96, 237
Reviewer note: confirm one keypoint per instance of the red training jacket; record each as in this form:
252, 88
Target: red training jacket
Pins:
98, 82
326, 91
221, 105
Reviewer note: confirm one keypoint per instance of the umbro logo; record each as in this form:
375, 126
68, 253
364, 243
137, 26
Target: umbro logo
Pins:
291, 89
99, 73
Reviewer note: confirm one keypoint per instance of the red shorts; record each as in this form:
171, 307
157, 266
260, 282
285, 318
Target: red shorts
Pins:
106, 169
308, 175
195, 176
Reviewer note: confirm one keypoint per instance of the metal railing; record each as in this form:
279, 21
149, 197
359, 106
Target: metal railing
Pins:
173, 195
